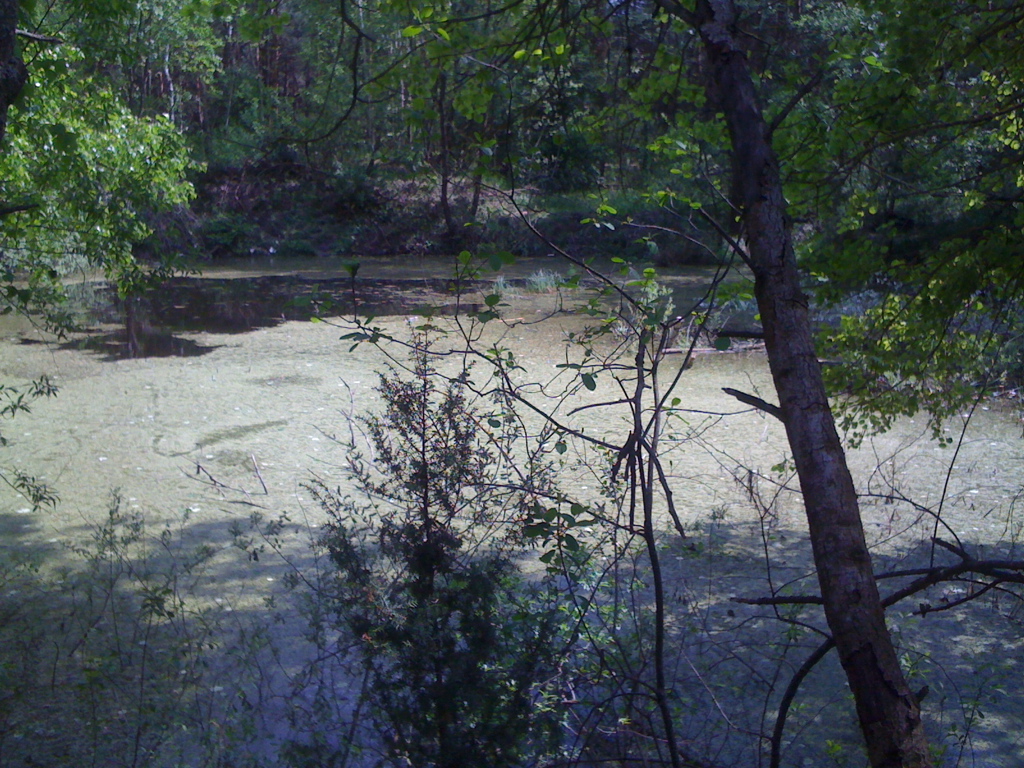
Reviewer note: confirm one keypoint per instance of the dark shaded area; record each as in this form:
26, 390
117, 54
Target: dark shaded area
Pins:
74, 650
108, 660
284, 206
958, 656
238, 305
138, 343
151, 324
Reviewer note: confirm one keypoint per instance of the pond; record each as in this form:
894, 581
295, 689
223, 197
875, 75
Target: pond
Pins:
231, 376
240, 406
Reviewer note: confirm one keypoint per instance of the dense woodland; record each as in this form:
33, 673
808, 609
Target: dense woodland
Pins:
860, 161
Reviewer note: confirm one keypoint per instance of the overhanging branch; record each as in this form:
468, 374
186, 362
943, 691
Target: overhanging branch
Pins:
755, 402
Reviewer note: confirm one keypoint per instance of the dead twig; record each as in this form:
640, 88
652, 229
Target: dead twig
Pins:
256, 468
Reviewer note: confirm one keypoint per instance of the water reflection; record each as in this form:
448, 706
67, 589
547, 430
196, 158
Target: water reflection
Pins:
152, 323
249, 297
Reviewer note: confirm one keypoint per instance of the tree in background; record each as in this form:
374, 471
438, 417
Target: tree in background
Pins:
917, 203
87, 173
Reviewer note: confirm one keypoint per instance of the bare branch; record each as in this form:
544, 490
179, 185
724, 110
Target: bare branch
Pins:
37, 38
755, 402
793, 600
677, 9
807, 87
787, 698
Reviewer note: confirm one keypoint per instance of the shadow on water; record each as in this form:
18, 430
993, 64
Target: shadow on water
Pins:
127, 659
14, 527
152, 323
957, 654
139, 342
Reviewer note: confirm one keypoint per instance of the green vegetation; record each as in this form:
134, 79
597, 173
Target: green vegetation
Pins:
81, 176
837, 149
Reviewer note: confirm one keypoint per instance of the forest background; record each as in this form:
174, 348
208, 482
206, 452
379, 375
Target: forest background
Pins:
847, 150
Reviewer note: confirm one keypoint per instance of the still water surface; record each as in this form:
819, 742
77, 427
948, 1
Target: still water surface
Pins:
267, 392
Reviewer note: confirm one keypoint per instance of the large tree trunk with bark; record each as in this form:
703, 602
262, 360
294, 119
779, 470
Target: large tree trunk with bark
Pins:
13, 73
889, 713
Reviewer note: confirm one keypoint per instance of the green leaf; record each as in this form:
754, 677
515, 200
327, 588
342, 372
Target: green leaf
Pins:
64, 140
411, 31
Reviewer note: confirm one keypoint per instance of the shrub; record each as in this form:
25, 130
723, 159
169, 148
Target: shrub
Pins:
455, 642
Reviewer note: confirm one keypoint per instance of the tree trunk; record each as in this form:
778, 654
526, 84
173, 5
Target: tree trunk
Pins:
889, 714
13, 73
444, 165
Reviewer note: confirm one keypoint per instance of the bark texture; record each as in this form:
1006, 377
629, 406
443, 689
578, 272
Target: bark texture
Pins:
889, 714
13, 73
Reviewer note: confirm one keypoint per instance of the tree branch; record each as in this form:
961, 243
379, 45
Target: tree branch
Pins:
36, 37
7, 210
792, 600
677, 9
787, 698
755, 402
807, 87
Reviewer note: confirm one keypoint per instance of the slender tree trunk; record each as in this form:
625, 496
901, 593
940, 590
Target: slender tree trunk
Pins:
889, 714
474, 207
13, 73
444, 153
